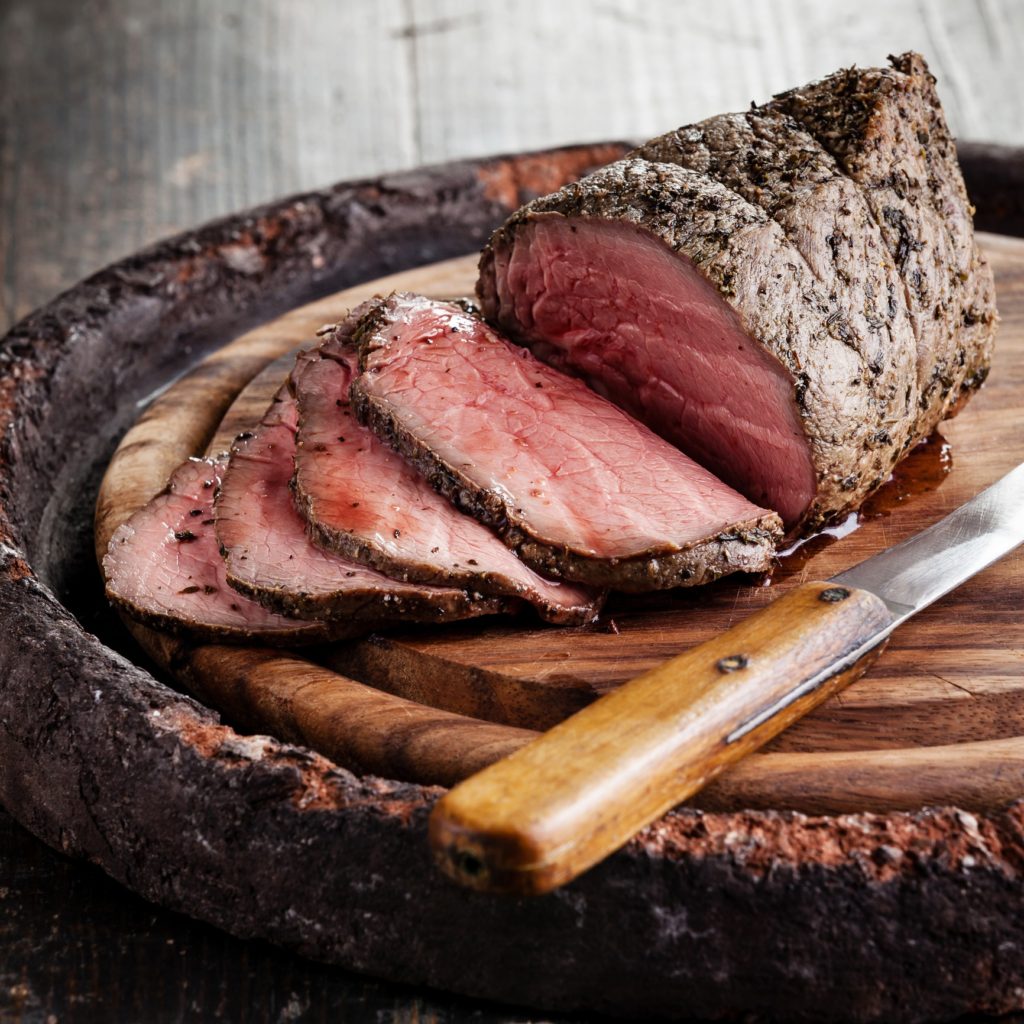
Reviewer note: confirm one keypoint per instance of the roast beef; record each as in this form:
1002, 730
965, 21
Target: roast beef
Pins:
163, 568
577, 487
364, 502
887, 131
779, 301
268, 556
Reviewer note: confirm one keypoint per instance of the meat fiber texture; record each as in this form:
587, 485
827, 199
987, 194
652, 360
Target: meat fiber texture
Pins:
163, 568
268, 556
652, 282
575, 486
365, 502
749, 291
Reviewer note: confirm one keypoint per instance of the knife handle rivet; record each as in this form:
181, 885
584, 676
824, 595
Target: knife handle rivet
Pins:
733, 663
469, 864
834, 595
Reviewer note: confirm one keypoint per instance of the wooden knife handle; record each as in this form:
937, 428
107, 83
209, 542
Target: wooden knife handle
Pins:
546, 813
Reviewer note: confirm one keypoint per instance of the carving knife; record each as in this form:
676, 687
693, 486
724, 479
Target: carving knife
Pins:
540, 817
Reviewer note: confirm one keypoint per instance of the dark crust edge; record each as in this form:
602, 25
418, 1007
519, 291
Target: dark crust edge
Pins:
838, 110
499, 589
899, 917
745, 547
303, 632
372, 610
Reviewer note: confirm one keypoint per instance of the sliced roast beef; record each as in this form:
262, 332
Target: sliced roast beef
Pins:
766, 157
364, 502
269, 557
689, 307
573, 484
887, 131
163, 568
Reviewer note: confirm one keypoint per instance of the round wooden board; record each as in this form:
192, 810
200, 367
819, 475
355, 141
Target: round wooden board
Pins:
896, 916
951, 675
950, 682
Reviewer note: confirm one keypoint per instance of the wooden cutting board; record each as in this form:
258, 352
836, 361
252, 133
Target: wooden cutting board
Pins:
950, 683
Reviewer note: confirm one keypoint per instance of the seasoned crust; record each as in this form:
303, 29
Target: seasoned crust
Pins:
503, 596
769, 160
304, 632
360, 613
887, 131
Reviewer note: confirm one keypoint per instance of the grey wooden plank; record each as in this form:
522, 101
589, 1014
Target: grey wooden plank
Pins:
123, 120
541, 73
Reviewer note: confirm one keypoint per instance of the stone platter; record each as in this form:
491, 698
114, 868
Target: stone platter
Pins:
899, 917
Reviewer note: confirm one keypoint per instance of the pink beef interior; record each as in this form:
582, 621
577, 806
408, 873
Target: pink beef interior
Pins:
578, 471
356, 485
262, 534
165, 560
641, 325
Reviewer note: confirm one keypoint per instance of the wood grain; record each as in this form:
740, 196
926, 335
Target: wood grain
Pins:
518, 675
355, 725
553, 809
929, 688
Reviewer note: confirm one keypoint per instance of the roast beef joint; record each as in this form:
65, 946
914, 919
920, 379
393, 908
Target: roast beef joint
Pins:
793, 295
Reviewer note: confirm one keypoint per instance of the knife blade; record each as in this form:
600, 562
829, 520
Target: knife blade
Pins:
918, 571
541, 816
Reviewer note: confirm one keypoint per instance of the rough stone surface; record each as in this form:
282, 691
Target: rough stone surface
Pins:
906, 917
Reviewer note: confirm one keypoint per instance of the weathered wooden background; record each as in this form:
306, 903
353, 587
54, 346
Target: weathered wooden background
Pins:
124, 120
